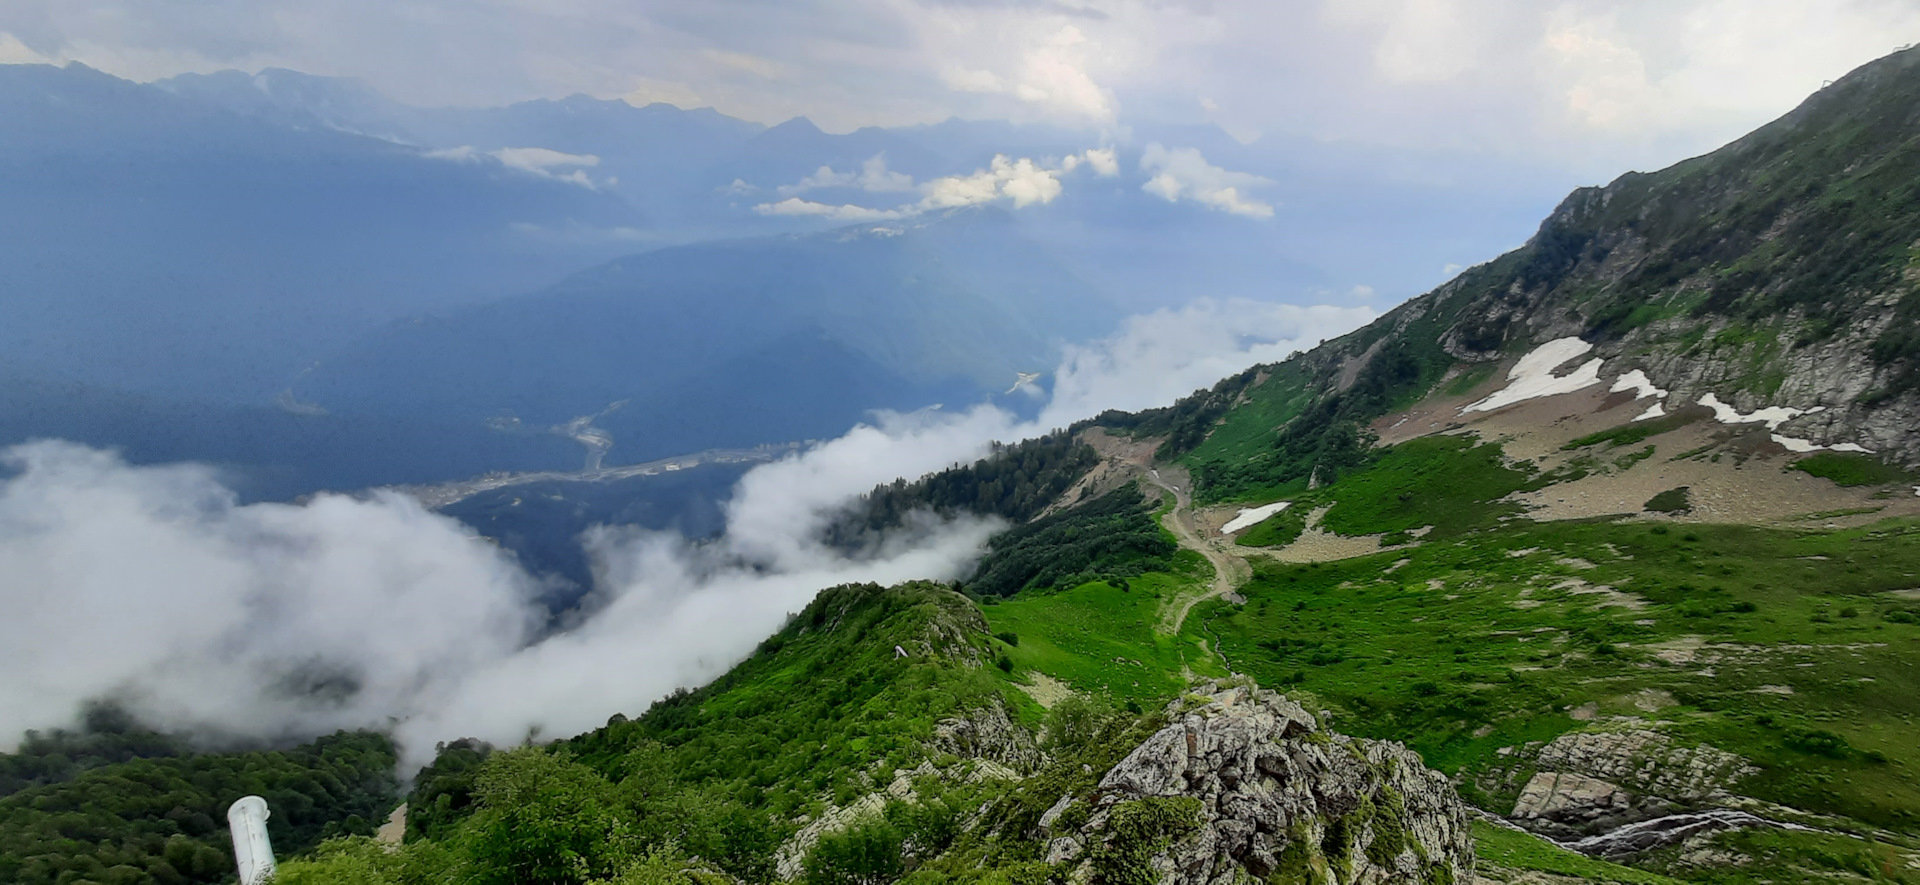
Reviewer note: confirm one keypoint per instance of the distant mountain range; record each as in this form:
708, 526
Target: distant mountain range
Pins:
278, 257
737, 342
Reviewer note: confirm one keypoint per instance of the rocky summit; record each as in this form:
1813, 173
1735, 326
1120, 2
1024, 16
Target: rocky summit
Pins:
1277, 797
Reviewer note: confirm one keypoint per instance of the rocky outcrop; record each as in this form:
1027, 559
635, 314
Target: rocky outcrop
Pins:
1647, 761
789, 860
1565, 802
987, 733
1591, 782
1245, 783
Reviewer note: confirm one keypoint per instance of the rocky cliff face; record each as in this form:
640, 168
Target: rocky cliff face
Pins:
1244, 783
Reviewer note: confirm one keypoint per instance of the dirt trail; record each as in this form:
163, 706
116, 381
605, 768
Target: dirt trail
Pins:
394, 830
1229, 571
1124, 459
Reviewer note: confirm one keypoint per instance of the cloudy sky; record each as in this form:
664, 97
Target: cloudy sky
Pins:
1580, 84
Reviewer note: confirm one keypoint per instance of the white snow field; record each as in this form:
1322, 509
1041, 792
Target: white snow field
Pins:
1532, 377
1252, 516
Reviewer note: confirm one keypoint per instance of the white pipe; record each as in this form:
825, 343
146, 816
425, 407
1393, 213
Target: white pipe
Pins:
252, 852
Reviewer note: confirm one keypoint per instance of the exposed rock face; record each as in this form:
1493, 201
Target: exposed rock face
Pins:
1590, 782
1647, 761
987, 734
1571, 801
790, 859
1273, 793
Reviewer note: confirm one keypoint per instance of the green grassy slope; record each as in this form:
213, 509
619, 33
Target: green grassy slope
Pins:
823, 699
1487, 642
1100, 637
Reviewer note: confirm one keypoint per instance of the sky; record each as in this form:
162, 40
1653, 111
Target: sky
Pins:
1588, 86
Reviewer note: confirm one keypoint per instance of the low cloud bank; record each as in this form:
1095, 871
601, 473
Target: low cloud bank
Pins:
1022, 182
152, 586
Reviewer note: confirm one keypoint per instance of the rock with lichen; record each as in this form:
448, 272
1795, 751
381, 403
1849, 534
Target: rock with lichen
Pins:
1245, 783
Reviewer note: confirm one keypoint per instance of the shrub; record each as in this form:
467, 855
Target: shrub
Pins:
1137, 831
1850, 469
1671, 501
866, 853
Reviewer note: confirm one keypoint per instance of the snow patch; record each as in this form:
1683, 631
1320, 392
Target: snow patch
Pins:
1532, 377
1638, 382
1772, 416
1252, 516
1654, 412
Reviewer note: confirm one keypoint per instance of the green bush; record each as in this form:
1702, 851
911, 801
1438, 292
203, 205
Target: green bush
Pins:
542, 817
869, 852
164, 819
1671, 501
1075, 722
1136, 832
1850, 469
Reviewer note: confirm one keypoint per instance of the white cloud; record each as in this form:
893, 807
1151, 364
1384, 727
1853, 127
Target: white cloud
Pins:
1183, 174
1104, 162
1603, 82
1021, 182
794, 206
1420, 41
963, 80
873, 177
1589, 85
150, 584
14, 52
542, 162
1161, 356
534, 159
1051, 74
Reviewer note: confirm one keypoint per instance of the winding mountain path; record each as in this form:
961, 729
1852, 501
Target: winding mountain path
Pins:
1124, 459
1229, 571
